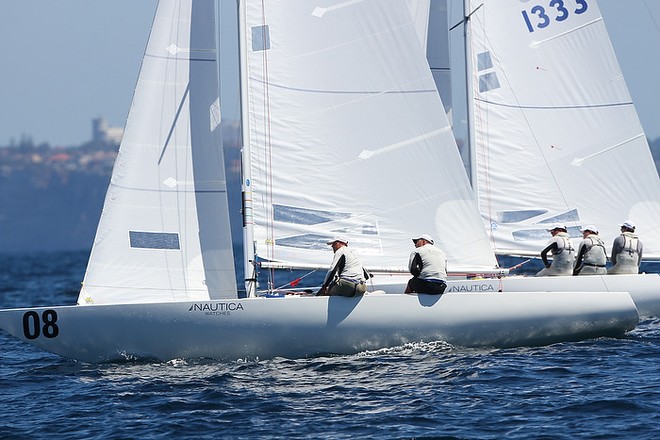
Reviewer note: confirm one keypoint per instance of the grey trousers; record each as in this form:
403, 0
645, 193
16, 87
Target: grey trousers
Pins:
347, 288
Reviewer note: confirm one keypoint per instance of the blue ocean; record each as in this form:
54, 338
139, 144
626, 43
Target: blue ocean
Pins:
595, 389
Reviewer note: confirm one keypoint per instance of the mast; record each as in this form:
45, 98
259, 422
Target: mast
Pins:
246, 173
469, 94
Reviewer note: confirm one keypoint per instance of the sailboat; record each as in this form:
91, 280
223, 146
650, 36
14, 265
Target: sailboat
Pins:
344, 132
554, 138
554, 130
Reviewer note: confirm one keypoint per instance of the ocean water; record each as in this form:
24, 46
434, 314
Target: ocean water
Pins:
595, 389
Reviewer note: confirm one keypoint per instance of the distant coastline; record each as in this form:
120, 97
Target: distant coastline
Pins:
51, 197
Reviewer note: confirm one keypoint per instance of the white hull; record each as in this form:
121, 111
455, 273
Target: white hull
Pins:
296, 327
643, 288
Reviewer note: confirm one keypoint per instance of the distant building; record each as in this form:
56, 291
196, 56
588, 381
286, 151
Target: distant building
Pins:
101, 132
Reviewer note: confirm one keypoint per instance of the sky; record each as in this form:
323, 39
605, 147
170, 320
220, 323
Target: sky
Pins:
68, 61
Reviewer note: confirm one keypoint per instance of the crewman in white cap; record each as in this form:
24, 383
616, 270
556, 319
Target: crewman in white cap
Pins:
428, 266
346, 276
591, 256
626, 251
563, 253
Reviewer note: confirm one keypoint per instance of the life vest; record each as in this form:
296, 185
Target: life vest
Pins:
629, 255
564, 255
595, 254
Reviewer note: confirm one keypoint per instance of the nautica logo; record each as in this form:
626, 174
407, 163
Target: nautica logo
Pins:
215, 307
472, 288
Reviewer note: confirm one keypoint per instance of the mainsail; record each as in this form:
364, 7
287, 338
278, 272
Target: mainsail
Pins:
555, 135
347, 135
164, 232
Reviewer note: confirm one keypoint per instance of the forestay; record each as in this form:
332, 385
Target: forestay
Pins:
555, 133
348, 135
164, 232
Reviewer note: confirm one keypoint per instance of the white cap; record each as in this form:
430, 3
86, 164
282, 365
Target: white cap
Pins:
426, 237
628, 224
556, 226
338, 238
591, 228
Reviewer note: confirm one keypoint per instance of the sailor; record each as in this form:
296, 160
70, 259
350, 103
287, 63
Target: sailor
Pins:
626, 251
428, 266
591, 256
346, 276
563, 253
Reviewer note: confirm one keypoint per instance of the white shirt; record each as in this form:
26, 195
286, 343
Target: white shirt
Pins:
434, 262
352, 268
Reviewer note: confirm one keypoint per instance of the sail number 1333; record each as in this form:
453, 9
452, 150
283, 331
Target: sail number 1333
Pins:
539, 17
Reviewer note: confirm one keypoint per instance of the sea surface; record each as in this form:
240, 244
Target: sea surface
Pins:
596, 389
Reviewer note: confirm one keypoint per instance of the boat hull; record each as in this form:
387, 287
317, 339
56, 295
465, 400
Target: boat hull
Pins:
294, 327
643, 288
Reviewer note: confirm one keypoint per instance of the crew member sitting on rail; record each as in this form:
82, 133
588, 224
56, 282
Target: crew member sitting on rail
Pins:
591, 256
428, 266
626, 251
346, 276
563, 254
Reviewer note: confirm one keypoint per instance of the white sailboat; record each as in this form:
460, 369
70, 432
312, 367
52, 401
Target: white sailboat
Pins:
341, 124
554, 137
554, 131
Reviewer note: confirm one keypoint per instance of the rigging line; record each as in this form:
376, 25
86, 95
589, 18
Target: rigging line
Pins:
484, 152
173, 125
268, 147
297, 279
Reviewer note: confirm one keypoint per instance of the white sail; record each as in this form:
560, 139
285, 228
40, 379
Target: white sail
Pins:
555, 134
164, 232
348, 135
